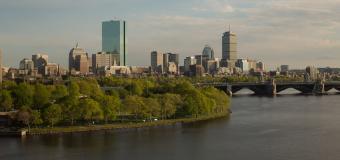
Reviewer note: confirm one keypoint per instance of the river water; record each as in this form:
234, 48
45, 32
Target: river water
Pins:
289, 127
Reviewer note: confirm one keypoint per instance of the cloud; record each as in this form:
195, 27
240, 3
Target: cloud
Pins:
274, 31
218, 6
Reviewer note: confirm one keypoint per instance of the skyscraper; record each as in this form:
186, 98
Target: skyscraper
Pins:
78, 61
173, 57
114, 39
40, 61
208, 52
229, 48
157, 61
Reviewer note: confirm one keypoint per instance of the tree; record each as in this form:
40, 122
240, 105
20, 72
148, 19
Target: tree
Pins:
71, 108
110, 106
220, 98
36, 118
91, 110
169, 103
84, 88
52, 114
24, 95
152, 107
59, 92
9, 85
73, 89
6, 101
135, 105
196, 103
41, 96
24, 116
135, 88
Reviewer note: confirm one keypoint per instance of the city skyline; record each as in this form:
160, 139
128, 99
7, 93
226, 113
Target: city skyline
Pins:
262, 27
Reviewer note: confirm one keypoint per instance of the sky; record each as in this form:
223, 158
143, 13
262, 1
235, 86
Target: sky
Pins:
293, 32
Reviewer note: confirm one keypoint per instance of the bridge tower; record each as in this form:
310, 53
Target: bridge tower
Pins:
319, 86
271, 87
229, 90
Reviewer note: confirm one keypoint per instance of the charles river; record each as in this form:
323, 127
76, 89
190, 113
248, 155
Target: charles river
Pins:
286, 127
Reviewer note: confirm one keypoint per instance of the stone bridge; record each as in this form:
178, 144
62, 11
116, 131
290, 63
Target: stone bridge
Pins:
272, 88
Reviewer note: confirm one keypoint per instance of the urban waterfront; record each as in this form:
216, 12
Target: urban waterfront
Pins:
284, 127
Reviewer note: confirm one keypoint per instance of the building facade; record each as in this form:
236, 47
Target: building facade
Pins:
40, 61
229, 49
102, 59
78, 61
157, 62
208, 52
114, 39
243, 65
188, 61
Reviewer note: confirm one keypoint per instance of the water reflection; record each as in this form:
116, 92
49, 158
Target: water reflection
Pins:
294, 127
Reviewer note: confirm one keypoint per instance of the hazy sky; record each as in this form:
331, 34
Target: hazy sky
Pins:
294, 32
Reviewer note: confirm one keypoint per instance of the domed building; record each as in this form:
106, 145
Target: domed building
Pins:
208, 52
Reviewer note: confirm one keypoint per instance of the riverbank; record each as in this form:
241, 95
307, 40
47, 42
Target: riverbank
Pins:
73, 129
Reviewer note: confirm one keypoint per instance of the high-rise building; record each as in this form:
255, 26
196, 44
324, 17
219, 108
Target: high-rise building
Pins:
208, 52
170, 61
173, 57
311, 73
212, 66
243, 65
103, 59
114, 39
157, 62
51, 69
188, 61
78, 61
40, 61
229, 49
26, 64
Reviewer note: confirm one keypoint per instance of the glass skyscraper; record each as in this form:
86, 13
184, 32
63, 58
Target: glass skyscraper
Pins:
229, 46
114, 39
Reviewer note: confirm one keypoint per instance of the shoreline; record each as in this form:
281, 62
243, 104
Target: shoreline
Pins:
78, 129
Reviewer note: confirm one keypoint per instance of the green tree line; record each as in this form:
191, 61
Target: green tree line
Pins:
82, 101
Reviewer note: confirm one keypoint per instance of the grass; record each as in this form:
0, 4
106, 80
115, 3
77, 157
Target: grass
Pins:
71, 129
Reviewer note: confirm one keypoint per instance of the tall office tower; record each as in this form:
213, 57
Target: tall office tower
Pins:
0, 66
208, 52
188, 61
199, 59
157, 61
26, 66
173, 57
114, 39
170, 62
40, 61
103, 59
78, 61
229, 49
